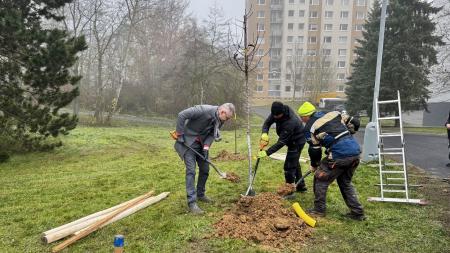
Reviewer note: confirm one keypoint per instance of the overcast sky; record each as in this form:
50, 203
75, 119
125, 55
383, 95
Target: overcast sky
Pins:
233, 9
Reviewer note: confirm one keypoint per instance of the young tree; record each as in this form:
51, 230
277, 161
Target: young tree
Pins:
35, 81
407, 56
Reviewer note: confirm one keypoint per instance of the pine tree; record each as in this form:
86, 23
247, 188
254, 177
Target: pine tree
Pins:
409, 52
35, 78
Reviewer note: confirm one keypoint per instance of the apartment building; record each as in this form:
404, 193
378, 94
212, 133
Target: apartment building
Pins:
307, 46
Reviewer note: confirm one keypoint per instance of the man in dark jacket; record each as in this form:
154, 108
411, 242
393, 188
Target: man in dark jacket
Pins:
291, 134
328, 130
448, 135
198, 127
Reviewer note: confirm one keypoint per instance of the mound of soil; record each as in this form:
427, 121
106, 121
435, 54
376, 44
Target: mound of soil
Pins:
286, 189
227, 156
233, 177
263, 219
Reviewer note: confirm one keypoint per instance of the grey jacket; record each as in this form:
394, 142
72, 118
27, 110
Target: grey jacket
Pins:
200, 121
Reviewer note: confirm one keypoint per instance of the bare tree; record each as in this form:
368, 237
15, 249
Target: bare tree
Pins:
243, 56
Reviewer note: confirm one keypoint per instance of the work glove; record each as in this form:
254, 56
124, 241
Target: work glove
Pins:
264, 141
177, 136
206, 151
262, 154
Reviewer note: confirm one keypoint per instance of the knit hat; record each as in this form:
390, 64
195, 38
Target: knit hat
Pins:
277, 108
306, 109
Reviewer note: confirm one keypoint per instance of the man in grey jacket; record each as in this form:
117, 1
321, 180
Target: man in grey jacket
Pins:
198, 127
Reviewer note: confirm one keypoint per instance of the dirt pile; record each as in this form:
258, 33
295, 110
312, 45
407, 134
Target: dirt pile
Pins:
263, 219
286, 189
227, 156
233, 177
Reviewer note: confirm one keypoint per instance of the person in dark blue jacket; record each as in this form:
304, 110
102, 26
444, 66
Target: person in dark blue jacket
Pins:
330, 131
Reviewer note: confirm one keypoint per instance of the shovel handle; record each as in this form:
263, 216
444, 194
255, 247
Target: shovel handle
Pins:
303, 178
206, 160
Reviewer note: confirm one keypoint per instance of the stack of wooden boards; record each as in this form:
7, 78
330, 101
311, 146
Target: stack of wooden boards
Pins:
86, 225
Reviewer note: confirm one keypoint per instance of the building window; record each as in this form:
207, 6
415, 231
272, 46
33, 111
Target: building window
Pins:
311, 52
327, 39
343, 27
313, 14
344, 2
310, 64
361, 2
261, 2
301, 26
326, 52
312, 27
259, 88
341, 64
342, 39
344, 14
259, 77
314, 2
289, 52
288, 76
330, 2
302, 1
275, 52
360, 15
328, 27
290, 13
300, 39
358, 27
287, 88
342, 52
324, 88
340, 88
260, 14
260, 64
290, 39
260, 52
299, 51
340, 76
291, 1
291, 26
288, 65
260, 27
328, 14
326, 64
312, 40
301, 13
260, 41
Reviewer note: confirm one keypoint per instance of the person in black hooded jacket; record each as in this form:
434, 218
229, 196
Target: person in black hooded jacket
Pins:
291, 134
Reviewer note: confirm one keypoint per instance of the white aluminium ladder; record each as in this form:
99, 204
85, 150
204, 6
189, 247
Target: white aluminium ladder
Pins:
393, 175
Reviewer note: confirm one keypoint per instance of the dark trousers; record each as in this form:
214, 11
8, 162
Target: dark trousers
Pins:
292, 169
190, 160
342, 170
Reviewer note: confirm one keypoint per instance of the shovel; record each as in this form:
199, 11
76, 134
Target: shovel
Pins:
223, 175
303, 178
250, 191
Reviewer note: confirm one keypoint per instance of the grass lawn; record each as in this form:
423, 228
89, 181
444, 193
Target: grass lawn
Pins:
101, 167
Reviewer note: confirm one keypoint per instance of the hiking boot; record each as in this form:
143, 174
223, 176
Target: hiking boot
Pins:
289, 196
205, 199
302, 189
194, 209
354, 216
314, 212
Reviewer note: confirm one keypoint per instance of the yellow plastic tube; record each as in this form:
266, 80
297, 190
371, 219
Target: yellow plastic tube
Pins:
299, 211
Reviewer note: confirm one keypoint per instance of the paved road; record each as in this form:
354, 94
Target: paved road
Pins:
429, 152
